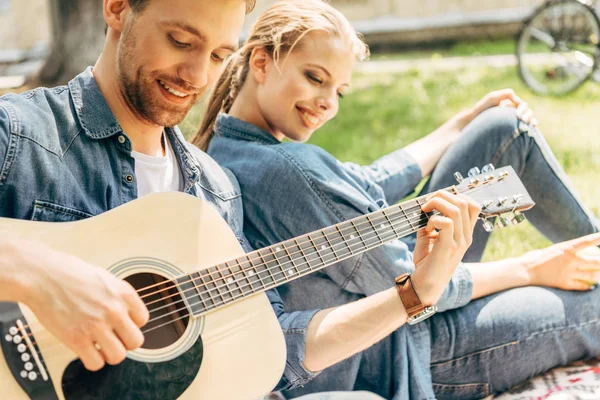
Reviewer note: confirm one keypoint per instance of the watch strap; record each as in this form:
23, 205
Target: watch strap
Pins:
408, 295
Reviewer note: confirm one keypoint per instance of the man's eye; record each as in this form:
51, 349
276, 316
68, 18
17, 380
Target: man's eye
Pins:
217, 58
177, 43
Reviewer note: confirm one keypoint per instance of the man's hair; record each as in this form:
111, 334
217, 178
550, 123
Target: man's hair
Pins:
138, 5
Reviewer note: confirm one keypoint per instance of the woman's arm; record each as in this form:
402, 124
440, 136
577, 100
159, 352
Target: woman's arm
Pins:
572, 265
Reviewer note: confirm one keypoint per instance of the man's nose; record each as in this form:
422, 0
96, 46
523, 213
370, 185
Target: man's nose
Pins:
195, 72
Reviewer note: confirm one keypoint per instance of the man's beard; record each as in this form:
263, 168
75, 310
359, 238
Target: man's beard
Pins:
140, 90
141, 95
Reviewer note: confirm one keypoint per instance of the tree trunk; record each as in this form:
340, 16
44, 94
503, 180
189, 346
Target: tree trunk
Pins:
78, 39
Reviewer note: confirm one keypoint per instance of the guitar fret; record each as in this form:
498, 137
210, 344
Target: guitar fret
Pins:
222, 286
285, 263
190, 293
378, 240
327, 235
291, 259
306, 262
344, 250
251, 273
208, 290
308, 250
360, 236
323, 249
268, 270
234, 281
391, 223
407, 217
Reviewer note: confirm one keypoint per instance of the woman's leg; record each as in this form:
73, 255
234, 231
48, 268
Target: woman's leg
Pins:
499, 341
499, 138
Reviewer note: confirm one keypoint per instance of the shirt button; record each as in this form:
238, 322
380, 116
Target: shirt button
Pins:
129, 178
121, 139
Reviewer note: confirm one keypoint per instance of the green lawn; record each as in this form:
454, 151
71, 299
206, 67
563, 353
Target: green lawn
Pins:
391, 111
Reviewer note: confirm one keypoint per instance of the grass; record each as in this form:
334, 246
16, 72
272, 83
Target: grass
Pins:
453, 49
390, 111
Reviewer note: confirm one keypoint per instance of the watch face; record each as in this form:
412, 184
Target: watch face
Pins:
423, 315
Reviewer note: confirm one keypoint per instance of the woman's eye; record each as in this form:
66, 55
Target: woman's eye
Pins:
340, 95
314, 78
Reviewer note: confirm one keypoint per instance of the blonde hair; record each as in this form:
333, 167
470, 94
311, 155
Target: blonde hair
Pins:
278, 30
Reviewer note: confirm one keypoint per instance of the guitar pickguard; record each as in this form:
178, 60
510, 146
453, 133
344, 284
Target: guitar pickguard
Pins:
133, 380
19, 355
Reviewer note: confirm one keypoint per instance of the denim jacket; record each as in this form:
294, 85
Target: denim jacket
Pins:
290, 189
64, 157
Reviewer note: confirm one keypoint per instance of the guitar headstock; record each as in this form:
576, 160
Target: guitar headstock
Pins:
500, 193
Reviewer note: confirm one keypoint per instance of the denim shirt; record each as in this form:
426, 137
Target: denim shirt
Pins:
290, 189
64, 157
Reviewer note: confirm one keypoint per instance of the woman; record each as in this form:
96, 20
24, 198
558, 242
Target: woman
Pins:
286, 82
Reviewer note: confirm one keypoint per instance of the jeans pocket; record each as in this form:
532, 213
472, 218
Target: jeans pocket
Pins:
50, 212
461, 391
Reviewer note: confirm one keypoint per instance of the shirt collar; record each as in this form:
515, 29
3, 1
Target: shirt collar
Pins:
229, 126
99, 122
95, 116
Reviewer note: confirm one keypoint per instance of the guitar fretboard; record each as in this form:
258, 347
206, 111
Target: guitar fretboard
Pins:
283, 262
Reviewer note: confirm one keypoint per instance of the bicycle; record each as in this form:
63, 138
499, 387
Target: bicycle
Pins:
558, 47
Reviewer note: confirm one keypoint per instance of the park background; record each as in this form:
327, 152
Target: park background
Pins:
431, 59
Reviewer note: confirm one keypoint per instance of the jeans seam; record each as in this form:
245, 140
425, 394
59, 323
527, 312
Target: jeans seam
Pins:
442, 363
504, 148
531, 336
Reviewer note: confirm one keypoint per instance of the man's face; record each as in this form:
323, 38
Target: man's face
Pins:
171, 51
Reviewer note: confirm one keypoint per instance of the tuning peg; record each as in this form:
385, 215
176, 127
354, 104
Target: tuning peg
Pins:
503, 222
518, 218
488, 168
458, 176
488, 225
474, 171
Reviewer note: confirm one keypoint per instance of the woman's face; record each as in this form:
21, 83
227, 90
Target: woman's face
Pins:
304, 93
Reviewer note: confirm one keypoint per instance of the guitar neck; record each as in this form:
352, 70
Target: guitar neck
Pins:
286, 261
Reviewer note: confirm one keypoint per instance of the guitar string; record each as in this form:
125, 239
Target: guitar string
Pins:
276, 281
286, 278
218, 274
268, 269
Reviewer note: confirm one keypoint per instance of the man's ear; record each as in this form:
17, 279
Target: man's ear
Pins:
260, 62
115, 13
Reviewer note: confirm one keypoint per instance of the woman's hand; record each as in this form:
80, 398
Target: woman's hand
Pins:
505, 98
571, 265
442, 244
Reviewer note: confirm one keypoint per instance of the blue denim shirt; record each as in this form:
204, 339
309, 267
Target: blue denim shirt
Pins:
64, 157
290, 189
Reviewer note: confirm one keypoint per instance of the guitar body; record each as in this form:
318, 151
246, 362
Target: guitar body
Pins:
158, 237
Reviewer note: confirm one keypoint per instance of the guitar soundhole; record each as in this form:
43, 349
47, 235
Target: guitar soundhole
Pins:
168, 313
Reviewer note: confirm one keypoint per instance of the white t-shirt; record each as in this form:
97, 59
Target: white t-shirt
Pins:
157, 174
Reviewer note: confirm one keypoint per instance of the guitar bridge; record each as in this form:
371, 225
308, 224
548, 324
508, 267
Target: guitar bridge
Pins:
22, 355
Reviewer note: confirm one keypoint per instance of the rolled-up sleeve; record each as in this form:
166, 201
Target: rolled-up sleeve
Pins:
396, 173
294, 326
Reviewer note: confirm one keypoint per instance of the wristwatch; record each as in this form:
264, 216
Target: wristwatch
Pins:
416, 310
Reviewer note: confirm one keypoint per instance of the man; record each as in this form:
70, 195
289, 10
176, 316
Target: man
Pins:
76, 151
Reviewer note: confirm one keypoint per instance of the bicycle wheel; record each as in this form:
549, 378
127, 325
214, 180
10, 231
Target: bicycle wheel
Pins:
557, 48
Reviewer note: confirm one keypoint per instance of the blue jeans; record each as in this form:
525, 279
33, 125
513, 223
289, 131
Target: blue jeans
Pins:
501, 340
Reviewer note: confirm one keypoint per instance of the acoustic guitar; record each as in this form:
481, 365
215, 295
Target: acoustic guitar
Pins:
212, 333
